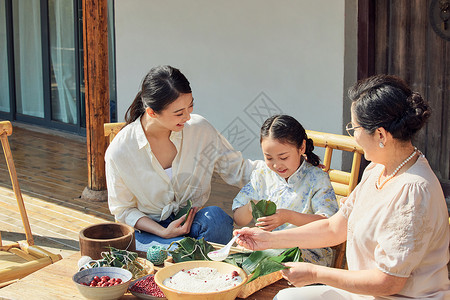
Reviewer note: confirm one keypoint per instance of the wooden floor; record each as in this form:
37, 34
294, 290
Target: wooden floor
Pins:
52, 172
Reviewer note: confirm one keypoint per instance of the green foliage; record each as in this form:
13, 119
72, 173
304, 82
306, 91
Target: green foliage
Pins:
263, 208
191, 249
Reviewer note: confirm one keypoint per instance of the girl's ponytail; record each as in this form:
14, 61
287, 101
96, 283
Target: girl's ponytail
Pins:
310, 156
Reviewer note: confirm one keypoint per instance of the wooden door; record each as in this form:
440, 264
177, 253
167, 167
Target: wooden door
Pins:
405, 44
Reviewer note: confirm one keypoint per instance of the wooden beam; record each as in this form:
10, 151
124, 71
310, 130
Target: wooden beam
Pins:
95, 37
366, 38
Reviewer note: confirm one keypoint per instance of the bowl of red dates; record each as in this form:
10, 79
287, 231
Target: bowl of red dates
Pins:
103, 282
146, 288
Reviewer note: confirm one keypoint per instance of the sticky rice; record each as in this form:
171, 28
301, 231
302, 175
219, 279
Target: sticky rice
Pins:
202, 280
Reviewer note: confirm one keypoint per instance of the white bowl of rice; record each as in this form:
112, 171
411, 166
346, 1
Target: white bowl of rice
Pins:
201, 280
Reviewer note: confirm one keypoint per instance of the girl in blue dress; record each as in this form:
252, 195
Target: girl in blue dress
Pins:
292, 179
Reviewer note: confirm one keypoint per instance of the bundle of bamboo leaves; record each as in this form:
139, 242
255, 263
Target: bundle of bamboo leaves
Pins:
119, 258
256, 263
260, 263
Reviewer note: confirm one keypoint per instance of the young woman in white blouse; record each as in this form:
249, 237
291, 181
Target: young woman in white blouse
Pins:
395, 222
165, 157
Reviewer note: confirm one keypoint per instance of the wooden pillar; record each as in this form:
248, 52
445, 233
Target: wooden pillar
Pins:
366, 38
95, 37
366, 49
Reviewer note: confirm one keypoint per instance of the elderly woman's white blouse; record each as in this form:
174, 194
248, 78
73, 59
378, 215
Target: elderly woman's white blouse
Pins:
402, 230
138, 185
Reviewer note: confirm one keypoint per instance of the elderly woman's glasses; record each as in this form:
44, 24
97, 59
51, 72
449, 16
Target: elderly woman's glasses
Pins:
350, 129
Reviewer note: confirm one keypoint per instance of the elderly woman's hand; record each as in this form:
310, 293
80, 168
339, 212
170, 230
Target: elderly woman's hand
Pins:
253, 238
299, 273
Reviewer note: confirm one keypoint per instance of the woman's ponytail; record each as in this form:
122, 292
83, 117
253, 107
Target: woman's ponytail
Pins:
136, 109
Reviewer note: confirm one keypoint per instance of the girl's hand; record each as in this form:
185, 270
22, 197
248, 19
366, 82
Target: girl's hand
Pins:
253, 238
176, 229
269, 223
299, 273
243, 215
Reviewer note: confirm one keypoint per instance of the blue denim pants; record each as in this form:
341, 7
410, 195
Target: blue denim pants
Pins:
210, 223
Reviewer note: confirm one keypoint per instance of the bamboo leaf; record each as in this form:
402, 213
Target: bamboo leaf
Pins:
263, 208
231, 261
295, 255
267, 266
184, 211
260, 263
176, 256
191, 249
237, 258
187, 244
251, 263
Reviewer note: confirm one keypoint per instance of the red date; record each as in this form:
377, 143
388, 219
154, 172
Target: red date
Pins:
103, 281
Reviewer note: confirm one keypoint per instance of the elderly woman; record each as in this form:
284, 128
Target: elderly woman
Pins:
395, 222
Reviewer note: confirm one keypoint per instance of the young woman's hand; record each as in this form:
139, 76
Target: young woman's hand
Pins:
176, 229
253, 238
269, 223
299, 273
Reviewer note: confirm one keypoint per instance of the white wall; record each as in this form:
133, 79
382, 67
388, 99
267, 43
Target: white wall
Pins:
238, 56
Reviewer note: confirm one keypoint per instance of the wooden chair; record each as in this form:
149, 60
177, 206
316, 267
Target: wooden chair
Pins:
23, 257
112, 129
343, 182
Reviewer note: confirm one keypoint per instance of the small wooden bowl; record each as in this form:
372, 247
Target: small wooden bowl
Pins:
96, 238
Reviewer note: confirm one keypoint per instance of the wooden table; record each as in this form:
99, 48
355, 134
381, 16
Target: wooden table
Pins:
55, 282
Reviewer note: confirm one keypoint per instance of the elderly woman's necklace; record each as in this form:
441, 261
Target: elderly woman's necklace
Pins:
380, 185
